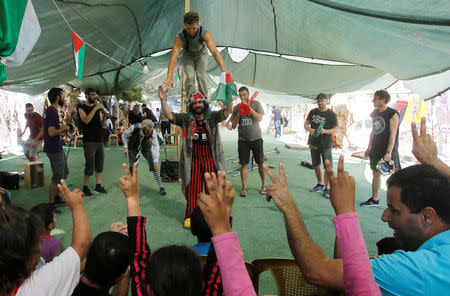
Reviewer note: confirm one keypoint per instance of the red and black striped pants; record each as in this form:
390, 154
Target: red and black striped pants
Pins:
202, 162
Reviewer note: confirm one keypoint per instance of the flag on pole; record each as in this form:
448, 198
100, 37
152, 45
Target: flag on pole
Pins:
19, 32
226, 89
79, 48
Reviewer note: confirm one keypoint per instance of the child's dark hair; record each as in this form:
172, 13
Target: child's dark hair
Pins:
199, 227
107, 259
45, 212
174, 271
19, 246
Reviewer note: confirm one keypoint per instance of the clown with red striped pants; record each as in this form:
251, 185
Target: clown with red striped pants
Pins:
202, 149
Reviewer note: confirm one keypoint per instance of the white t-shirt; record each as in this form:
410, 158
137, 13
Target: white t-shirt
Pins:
58, 277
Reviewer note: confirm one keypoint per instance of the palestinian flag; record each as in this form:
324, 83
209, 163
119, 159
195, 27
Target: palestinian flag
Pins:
226, 89
79, 48
19, 32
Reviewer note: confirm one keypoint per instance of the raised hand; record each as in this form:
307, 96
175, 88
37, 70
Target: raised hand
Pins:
279, 191
342, 193
119, 227
213, 205
424, 148
162, 92
130, 188
73, 198
129, 183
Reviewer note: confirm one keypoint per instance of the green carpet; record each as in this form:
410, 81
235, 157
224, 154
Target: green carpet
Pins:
259, 224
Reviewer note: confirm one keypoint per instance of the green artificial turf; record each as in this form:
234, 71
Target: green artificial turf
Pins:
259, 224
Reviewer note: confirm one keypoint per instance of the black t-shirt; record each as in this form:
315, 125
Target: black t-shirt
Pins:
381, 124
316, 117
93, 131
148, 114
199, 132
134, 118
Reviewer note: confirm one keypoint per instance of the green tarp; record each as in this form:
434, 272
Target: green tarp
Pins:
383, 40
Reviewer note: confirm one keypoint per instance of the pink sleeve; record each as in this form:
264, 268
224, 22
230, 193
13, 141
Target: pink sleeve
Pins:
358, 276
236, 280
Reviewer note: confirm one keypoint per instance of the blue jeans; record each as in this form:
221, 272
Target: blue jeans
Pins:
277, 128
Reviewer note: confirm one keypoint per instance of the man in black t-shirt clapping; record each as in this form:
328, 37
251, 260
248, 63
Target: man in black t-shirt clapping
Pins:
321, 124
92, 122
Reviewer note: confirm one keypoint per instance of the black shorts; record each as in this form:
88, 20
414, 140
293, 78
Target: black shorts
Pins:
375, 158
257, 149
318, 153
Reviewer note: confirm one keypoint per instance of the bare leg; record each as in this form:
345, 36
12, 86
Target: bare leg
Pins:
319, 174
244, 174
86, 180
53, 192
376, 182
98, 178
327, 182
262, 174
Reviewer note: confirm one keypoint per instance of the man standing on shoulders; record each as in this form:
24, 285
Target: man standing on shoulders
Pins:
383, 142
92, 121
36, 124
321, 124
195, 41
202, 148
250, 138
53, 144
141, 138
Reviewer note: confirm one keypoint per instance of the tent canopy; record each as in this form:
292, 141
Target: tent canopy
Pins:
381, 41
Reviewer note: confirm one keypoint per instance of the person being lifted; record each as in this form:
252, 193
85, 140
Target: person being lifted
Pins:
195, 40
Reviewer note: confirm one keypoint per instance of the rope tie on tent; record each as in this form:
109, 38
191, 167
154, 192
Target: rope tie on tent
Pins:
91, 46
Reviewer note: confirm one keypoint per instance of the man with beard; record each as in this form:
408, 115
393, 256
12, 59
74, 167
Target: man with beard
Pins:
141, 138
418, 202
202, 148
250, 139
53, 143
321, 124
92, 121
35, 123
383, 143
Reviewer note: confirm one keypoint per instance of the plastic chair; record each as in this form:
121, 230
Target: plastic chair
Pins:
288, 277
174, 139
77, 136
113, 136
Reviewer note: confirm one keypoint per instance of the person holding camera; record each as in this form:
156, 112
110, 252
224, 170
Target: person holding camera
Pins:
53, 144
93, 117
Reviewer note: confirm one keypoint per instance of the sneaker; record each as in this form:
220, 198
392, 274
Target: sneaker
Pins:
100, 189
162, 191
244, 192
317, 188
187, 224
326, 193
370, 203
87, 192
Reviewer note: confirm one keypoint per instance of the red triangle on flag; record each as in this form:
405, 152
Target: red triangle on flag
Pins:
228, 78
77, 41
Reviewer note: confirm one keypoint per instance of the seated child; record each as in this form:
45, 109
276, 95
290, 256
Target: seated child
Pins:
50, 245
